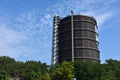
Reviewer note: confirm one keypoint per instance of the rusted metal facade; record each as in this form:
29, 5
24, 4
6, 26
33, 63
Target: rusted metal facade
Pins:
77, 39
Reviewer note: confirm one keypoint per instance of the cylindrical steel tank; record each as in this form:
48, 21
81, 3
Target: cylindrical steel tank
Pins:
85, 39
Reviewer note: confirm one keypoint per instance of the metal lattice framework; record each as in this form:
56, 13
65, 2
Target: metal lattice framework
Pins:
55, 40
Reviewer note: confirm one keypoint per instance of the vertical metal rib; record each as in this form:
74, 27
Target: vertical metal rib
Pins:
72, 31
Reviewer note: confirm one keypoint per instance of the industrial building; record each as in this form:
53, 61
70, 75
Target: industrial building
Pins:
75, 37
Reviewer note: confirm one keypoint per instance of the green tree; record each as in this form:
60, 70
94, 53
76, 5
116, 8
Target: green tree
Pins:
87, 70
45, 76
63, 72
4, 75
33, 70
7, 64
113, 67
35, 66
32, 76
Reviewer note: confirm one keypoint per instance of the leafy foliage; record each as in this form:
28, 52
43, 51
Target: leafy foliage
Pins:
46, 76
30, 70
63, 72
35, 70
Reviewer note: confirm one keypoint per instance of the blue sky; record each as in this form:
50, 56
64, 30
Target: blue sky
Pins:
26, 26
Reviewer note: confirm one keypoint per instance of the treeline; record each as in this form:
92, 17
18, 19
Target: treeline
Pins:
29, 70
35, 70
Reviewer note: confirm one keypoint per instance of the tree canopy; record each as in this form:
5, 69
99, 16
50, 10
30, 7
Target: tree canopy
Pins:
35, 70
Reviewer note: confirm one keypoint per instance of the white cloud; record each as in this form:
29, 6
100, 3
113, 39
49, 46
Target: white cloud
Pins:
101, 10
38, 35
9, 36
8, 41
101, 18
